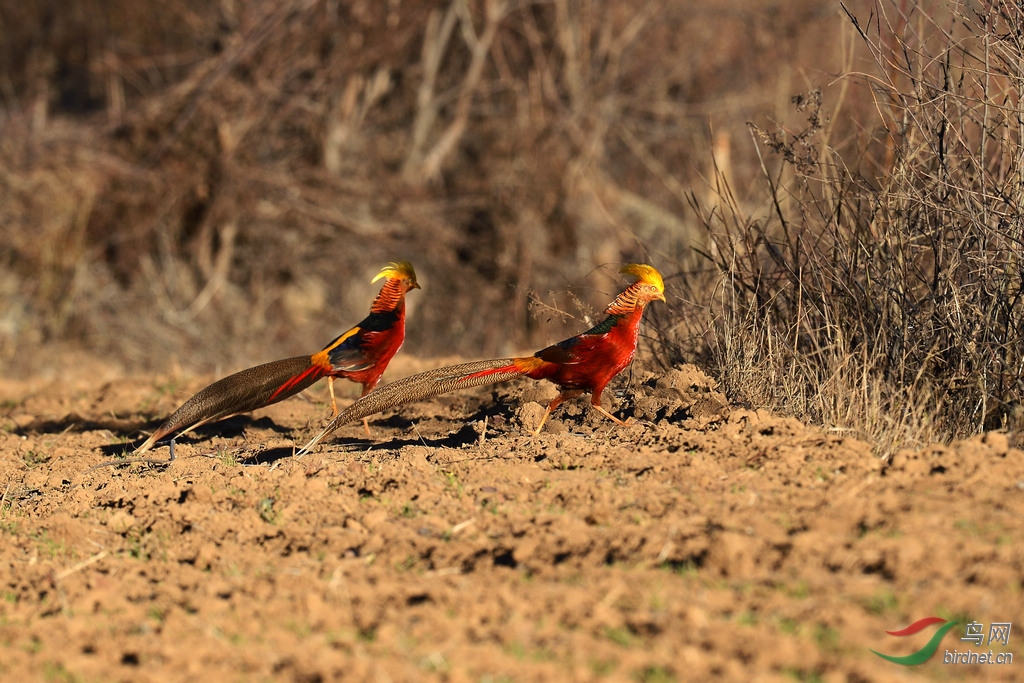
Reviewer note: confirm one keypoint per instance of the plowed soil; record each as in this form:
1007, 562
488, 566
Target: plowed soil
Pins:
706, 541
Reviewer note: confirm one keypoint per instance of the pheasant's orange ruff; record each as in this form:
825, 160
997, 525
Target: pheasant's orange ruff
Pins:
627, 301
391, 294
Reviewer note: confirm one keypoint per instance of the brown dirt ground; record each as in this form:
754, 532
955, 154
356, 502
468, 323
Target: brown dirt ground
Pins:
708, 542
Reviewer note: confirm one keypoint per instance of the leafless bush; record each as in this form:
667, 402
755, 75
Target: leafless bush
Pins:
882, 293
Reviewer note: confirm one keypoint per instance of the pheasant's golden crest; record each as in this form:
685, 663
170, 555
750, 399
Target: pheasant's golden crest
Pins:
647, 274
398, 270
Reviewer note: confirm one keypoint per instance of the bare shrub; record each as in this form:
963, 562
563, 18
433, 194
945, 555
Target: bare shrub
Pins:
882, 293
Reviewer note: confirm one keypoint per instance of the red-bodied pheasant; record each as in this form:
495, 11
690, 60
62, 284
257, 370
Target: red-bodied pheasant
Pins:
584, 363
361, 354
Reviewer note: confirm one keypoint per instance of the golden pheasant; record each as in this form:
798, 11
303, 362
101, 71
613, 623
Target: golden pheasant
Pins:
361, 354
584, 363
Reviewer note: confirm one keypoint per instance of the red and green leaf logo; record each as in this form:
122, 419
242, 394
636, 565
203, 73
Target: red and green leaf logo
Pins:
925, 653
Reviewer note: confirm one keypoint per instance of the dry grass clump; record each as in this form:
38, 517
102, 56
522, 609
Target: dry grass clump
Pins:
882, 292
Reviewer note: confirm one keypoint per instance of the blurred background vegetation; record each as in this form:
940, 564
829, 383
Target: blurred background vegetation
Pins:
832, 189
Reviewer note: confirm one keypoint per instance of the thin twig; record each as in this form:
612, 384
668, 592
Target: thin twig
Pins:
81, 565
419, 436
3, 499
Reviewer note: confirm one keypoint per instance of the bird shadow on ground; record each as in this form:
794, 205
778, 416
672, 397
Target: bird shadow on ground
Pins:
73, 422
468, 433
268, 456
232, 427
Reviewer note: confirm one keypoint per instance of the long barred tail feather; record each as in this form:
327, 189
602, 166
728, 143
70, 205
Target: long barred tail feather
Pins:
424, 385
242, 392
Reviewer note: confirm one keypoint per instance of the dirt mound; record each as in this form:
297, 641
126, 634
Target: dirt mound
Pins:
703, 541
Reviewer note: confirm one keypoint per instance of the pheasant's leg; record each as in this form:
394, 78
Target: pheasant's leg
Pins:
367, 388
610, 416
334, 403
596, 402
555, 402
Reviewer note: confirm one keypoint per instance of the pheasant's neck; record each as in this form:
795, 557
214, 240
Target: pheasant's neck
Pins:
627, 302
391, 298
